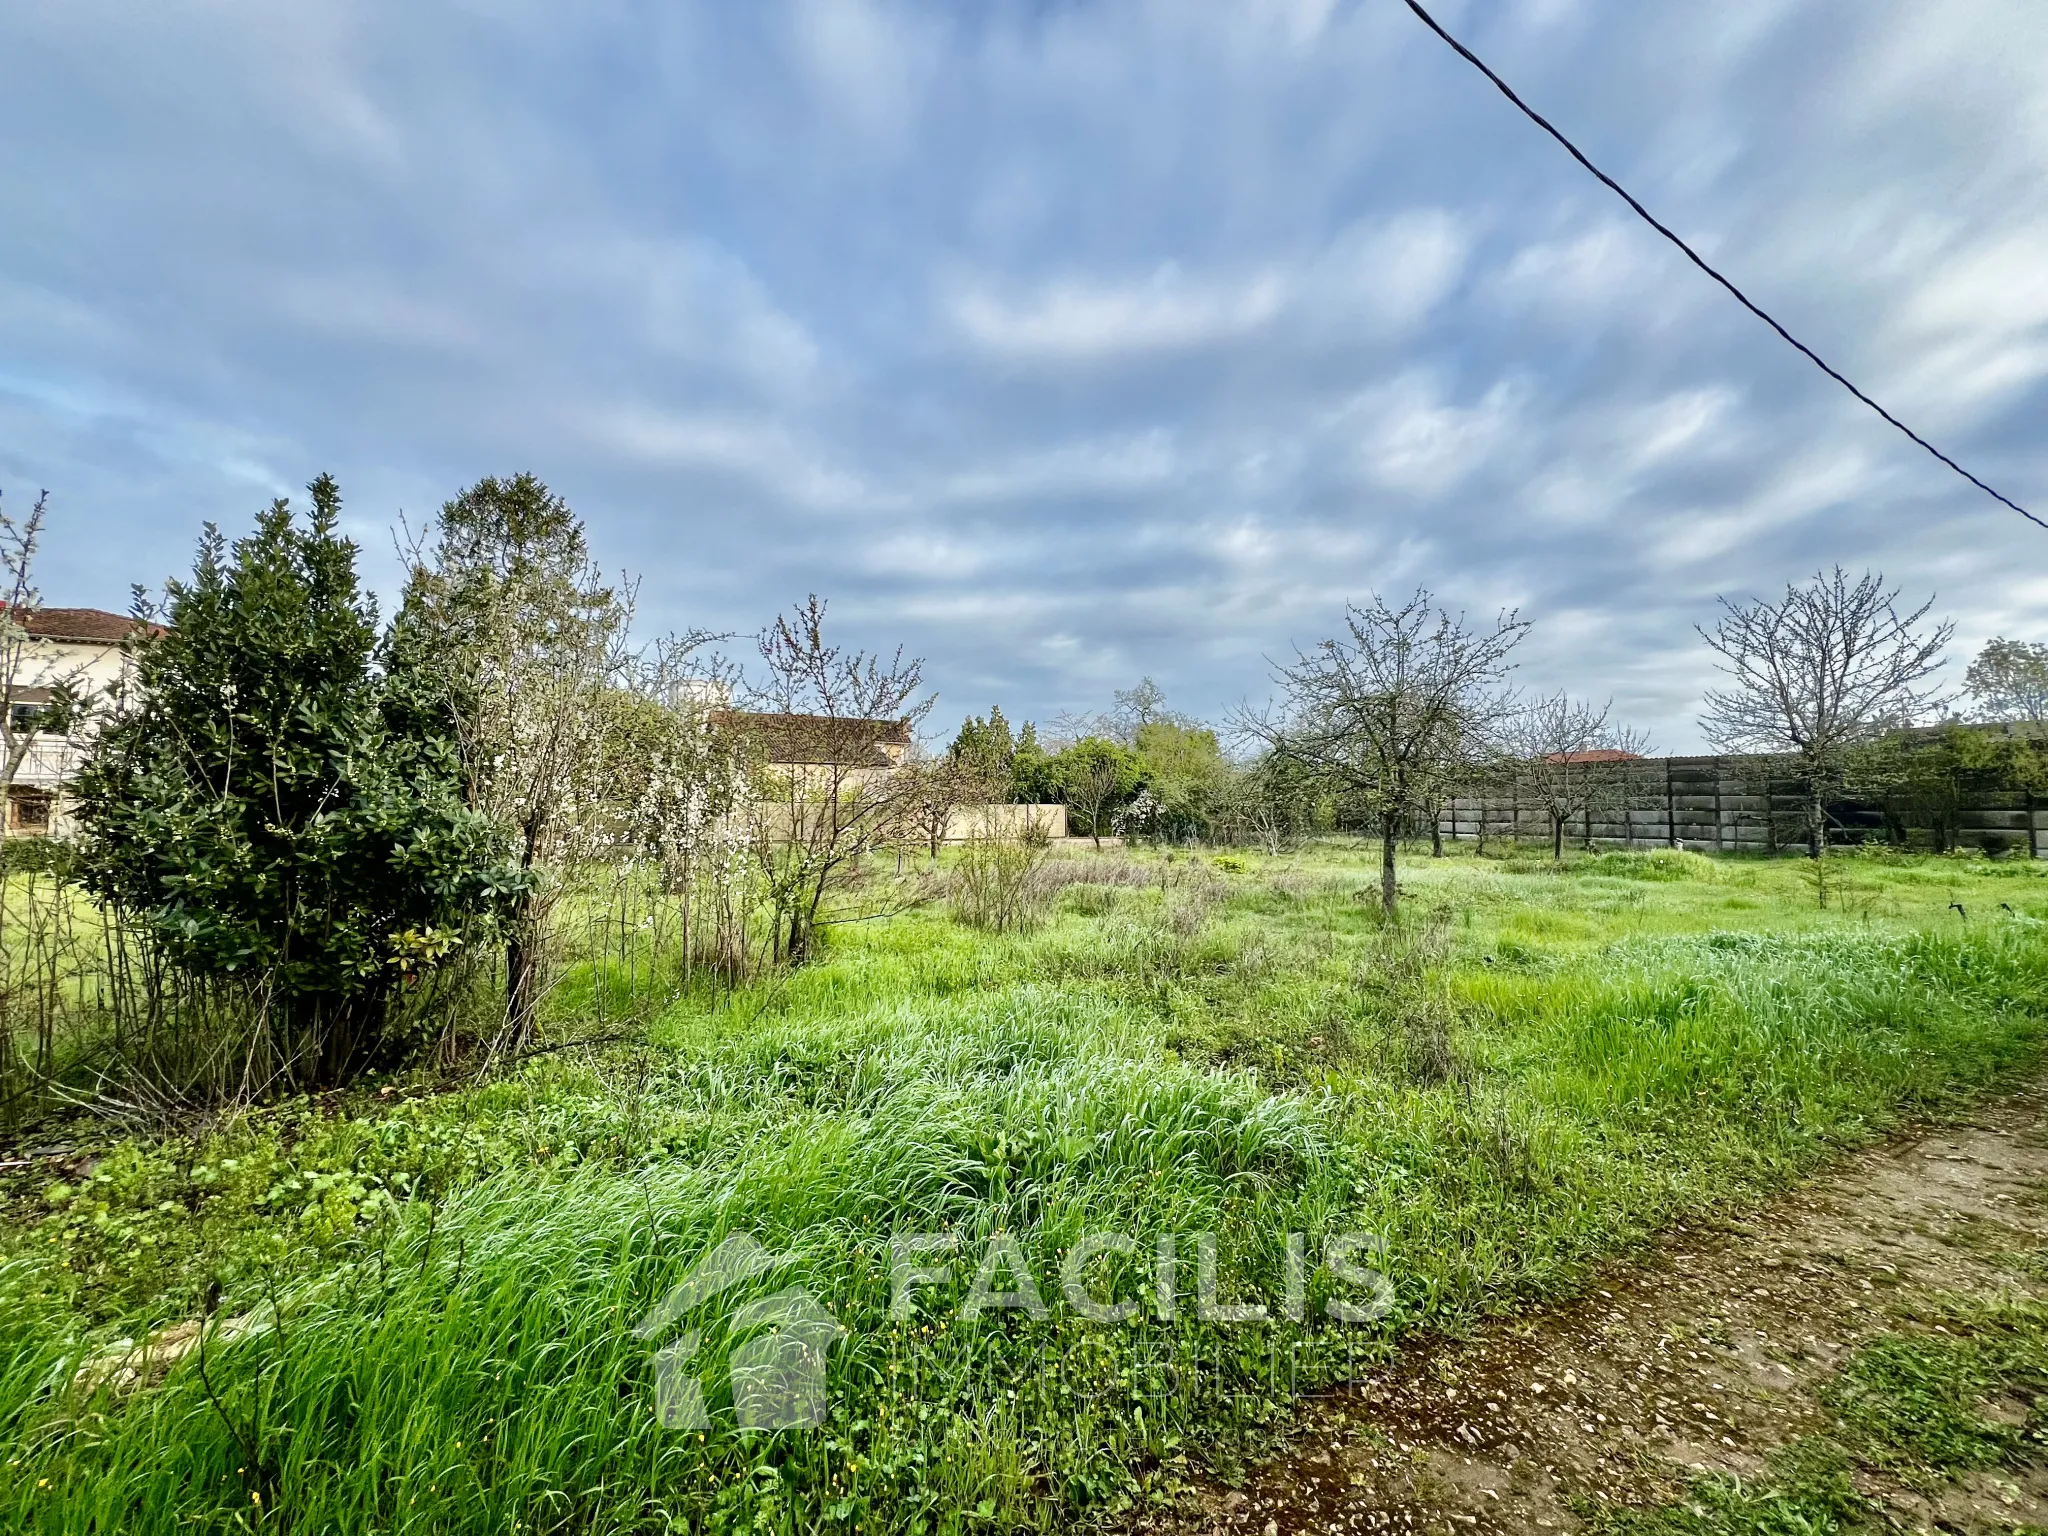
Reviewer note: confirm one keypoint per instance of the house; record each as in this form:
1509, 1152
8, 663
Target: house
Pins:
816, 749
813, 757
77, 648
1594, 755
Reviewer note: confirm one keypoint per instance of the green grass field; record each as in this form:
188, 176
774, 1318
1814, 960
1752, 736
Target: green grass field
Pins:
1534, 1071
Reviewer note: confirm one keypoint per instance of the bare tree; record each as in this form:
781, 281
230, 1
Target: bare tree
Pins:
1832, 666
1567, 756
935, 785
675, 778
1388, 714
833, 725
691, 784
666, 794
1636, 785
1096, 774
1141, 704
532, 643
1267, 803
2009, 679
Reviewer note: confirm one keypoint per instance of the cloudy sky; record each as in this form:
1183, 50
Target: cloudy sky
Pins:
1061, 342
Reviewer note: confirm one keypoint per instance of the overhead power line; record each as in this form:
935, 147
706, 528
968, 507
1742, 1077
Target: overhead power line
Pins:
1701, 262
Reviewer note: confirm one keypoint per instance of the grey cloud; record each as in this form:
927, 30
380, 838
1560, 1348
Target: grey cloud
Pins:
1060, 342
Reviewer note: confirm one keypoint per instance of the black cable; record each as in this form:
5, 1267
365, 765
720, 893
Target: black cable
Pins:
1699, 261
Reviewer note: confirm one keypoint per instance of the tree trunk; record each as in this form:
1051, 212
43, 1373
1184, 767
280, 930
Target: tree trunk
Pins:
803, 921
1436, 836
1557, 837
520, 962
1818, 840
689, 938
521, 955
1390, 836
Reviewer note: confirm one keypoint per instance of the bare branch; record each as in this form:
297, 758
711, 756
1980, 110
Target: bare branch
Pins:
1569, 758
1393, 713
1833, 665
832, 726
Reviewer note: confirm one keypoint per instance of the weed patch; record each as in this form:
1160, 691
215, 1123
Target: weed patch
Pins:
1504, 1089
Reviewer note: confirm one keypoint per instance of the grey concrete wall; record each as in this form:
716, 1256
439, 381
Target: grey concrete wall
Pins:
1726, 805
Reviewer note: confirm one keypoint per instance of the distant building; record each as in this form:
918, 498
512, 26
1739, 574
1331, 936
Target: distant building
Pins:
810, 757
79, 648
816, 750
1595, 755
790, 740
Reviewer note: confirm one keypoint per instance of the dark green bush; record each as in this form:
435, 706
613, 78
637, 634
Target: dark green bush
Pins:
37, 855
279, 814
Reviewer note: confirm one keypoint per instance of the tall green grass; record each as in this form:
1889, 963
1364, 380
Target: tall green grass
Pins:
467, 1361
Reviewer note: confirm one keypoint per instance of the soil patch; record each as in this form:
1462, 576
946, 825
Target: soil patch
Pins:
1701, 1360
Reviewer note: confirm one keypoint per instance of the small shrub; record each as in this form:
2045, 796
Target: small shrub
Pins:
1659, 864
1299, 886
996, 884
1430, 1056
1090, 900
1093, 869
37, 856
1188, 912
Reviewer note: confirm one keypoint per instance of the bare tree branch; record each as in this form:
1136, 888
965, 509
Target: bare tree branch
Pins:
1391, 715
1833, 665
834, 725
1567, 756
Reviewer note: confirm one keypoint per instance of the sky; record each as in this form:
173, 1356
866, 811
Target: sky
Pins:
1059, 343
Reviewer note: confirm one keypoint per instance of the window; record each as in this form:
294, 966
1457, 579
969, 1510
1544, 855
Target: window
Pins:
22, 718
28, 812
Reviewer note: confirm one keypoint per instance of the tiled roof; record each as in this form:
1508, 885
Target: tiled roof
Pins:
819, 738
1596, 755
79, 624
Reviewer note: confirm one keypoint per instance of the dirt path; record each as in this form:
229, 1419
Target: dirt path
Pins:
1700, 1360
